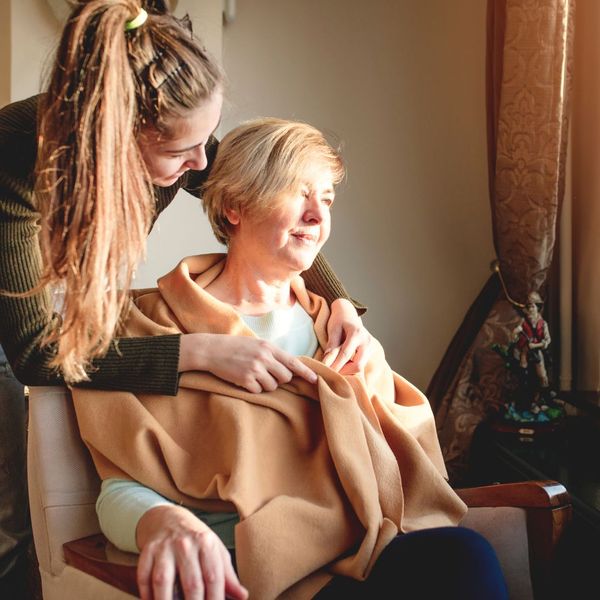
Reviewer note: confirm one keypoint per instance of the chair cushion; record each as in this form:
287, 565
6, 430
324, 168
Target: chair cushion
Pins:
506, 529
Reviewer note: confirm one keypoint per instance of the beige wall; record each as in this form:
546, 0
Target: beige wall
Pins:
402, 84
586, 197
34, 33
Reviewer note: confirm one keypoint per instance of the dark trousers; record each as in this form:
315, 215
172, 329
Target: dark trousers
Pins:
450, 563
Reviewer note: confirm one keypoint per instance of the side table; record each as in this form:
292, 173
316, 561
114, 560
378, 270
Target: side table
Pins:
571, 456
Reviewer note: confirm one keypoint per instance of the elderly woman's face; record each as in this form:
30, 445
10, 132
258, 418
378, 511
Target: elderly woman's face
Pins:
290, 235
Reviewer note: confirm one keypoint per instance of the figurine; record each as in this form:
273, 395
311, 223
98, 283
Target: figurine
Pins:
531, 339
530, 398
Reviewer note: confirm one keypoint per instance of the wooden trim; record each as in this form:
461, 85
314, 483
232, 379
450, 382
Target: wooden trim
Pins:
525, 494
93, 555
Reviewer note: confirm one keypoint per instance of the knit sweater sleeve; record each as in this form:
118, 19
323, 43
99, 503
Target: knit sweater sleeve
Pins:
134, 364
321, 280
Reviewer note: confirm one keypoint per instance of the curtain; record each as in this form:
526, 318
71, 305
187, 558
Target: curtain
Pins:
586, 199
529, 48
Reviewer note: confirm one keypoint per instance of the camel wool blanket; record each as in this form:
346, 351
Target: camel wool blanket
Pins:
322, 475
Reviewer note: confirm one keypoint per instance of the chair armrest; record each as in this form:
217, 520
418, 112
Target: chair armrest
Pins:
95, 556
525, 494
548, 509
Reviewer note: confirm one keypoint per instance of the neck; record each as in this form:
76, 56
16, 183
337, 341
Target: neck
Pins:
251, 288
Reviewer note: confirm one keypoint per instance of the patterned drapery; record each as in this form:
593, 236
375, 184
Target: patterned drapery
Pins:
528, 89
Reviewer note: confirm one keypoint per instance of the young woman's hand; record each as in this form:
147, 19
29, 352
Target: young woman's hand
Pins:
349, 342
174, 542
249, 362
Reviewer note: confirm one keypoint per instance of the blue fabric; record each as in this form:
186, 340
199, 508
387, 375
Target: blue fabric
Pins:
446, 563
15, 530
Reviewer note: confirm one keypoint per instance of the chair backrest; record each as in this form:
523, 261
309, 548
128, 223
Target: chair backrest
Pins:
63, 483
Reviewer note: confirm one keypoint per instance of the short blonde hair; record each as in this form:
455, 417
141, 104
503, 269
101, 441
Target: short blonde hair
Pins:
257, 161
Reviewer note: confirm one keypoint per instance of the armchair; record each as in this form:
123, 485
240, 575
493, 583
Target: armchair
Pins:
522, 521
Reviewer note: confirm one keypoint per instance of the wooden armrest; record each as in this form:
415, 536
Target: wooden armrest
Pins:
525, 494
96, 556
548, 508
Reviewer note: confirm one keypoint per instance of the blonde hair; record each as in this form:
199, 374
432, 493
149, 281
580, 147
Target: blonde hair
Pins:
257, 161
93, 189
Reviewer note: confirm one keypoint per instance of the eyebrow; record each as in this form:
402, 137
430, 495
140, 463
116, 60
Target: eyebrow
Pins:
182, 150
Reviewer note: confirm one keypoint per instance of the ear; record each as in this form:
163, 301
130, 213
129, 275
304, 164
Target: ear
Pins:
233, 216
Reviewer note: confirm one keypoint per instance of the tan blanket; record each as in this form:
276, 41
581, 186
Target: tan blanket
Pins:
316, 472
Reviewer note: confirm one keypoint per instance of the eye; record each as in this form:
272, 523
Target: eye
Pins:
327, 200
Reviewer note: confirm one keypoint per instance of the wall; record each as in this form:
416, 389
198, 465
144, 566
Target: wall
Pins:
403, 85
34, 35
586, 197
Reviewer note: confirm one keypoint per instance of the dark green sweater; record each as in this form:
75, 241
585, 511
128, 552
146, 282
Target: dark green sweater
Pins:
146, 365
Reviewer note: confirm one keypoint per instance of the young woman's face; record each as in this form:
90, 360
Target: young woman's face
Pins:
290, 235
168, 158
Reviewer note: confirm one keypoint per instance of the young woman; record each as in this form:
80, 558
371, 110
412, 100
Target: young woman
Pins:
85, 168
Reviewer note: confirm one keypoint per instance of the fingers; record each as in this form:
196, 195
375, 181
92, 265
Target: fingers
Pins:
211, 559
331, 355
343, 355
233, 588
356, 348
274, 367
163, 574
202, 562
361, 356
188, 567
144, 573
296, 367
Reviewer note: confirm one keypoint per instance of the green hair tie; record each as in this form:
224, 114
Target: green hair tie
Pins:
138, 21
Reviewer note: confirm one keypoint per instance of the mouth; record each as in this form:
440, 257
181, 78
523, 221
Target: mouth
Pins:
305, 238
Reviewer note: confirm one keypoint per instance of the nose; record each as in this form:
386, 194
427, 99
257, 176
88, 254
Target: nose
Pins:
315, 209
197, 160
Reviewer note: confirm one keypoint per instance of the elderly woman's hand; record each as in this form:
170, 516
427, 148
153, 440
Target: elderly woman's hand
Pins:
174, 541
349, 342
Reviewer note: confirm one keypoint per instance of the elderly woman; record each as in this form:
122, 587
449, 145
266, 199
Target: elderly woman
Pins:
336, 488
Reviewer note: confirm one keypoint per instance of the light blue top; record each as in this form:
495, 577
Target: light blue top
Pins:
122, 503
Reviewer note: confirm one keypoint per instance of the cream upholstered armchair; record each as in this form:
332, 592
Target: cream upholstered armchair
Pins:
522, 521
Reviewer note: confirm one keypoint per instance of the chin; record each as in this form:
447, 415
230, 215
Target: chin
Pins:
166, 181
304, 263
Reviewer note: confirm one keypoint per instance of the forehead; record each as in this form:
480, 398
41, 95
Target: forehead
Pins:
317, 173
192, 128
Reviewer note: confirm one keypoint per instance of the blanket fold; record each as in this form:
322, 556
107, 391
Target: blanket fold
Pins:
323, 476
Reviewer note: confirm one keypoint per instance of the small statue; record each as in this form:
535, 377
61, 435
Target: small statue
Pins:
531, 339
530, 398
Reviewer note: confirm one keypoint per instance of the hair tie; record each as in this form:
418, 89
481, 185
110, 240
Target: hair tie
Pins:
138, 21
